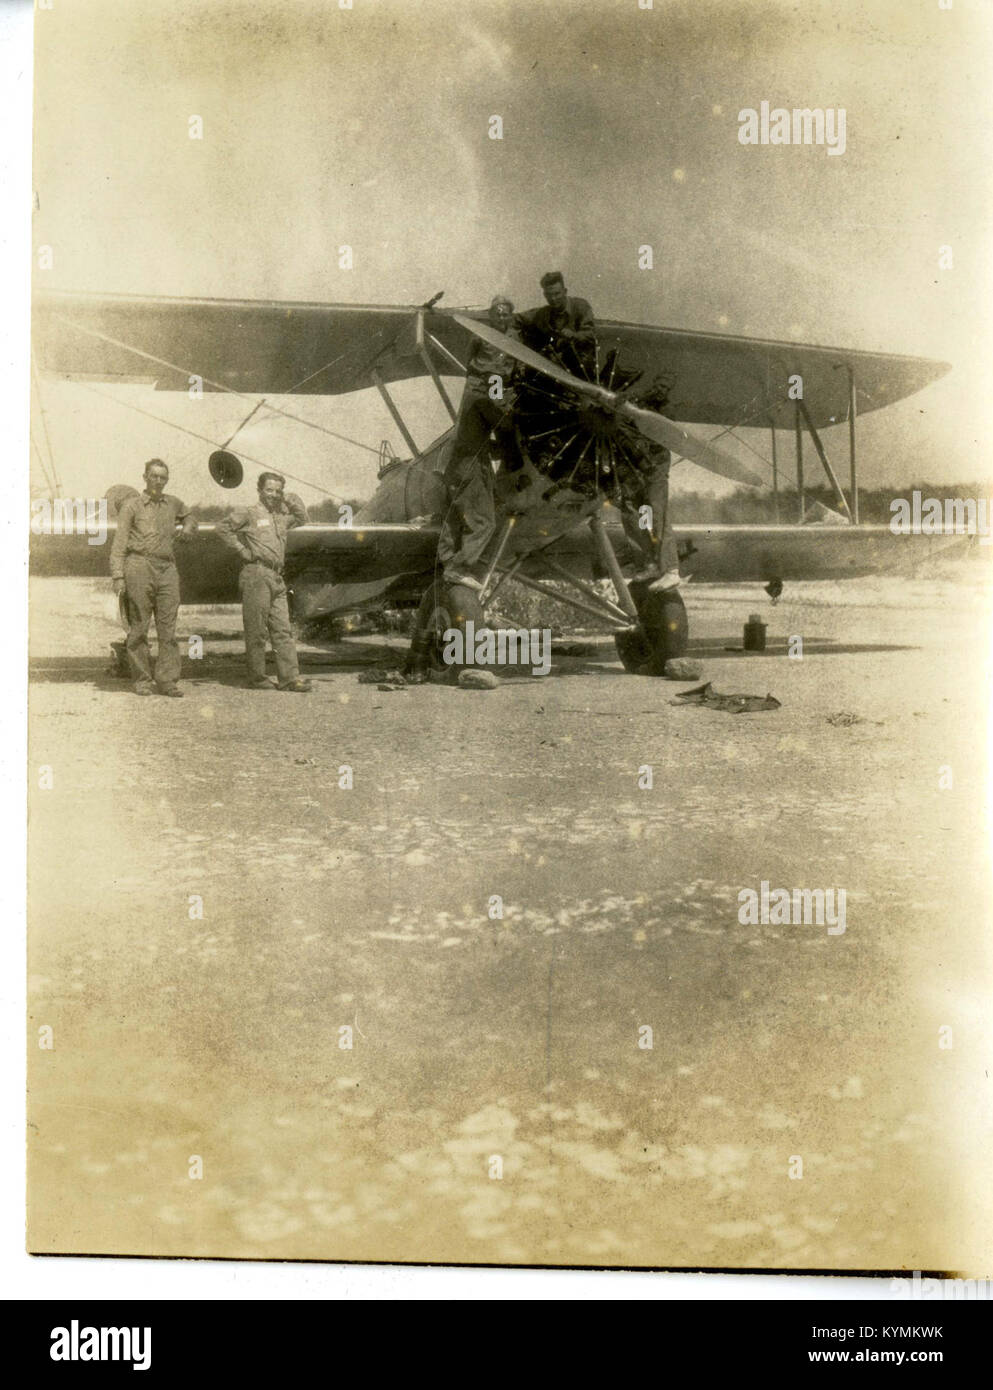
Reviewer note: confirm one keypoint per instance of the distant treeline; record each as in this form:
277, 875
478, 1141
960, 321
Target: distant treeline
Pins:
749, 505
743, 506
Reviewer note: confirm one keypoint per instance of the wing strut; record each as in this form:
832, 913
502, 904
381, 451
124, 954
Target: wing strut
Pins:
424, 352
839, 495
775, 470
798, 432
390, 404
852, 415
449, 356
422, 349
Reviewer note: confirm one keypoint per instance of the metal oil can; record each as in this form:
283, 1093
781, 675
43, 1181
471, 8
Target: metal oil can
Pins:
754, 634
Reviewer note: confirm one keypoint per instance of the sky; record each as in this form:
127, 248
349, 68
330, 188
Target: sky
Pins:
369, 126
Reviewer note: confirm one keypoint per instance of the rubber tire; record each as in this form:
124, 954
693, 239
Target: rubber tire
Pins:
633, 648
442, 607
662, 631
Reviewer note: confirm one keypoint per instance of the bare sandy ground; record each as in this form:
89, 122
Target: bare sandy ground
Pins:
474, 1039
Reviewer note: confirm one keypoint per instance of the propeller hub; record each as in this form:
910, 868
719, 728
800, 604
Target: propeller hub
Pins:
598, 413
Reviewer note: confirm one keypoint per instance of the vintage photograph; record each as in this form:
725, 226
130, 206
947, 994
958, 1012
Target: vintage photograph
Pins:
510, 620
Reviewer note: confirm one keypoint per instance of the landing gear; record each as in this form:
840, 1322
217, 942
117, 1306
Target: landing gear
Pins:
443, 608
580, 444
591, 449
661, 632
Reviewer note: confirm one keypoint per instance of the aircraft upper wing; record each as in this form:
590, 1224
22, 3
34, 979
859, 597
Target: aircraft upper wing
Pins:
280, 348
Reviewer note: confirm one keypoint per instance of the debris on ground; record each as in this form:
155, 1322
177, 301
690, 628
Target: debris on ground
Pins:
560, 648
471, 679
844, 718
733, 704
680, 668
385, 680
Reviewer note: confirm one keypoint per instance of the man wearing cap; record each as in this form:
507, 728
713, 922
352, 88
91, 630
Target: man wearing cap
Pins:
563, 324
486, 405
143, 567
258, 536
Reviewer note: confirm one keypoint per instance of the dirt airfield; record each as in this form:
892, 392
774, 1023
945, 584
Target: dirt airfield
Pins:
495, 1105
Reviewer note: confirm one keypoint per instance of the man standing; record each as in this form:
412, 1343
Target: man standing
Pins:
258, 536
143, 566
563, 325
486, 405
646, 498
656, 542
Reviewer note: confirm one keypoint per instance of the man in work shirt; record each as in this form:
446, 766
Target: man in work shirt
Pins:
143, 566
258, 536
563, 325
486, 405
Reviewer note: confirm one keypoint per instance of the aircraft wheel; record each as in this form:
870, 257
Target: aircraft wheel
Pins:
633, 647
662, 632
442, 608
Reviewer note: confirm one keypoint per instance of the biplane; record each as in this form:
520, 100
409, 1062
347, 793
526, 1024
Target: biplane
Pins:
558, 491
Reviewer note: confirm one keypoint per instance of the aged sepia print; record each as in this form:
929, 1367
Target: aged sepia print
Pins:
510, 612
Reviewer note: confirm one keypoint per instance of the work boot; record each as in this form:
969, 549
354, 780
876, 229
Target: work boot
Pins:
264, 684
143, 688
299, 686
173, 691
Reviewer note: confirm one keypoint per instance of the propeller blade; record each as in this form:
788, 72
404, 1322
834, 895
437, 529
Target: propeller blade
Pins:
688, 446
654, 426
528, 357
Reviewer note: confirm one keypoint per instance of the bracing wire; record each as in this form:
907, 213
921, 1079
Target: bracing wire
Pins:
129, 405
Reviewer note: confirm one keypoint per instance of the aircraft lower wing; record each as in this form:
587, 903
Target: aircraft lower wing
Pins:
208, 569
332, 568
729, 554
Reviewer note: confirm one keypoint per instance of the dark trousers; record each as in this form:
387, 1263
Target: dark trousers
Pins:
471, 520
266, 613
152, 588
659, 544
478, 415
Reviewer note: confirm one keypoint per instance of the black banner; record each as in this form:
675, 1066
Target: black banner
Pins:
928, 1330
